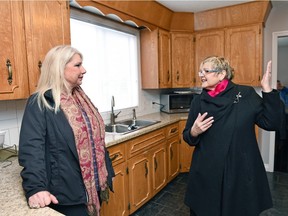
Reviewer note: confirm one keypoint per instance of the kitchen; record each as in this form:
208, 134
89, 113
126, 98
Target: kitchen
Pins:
12, 110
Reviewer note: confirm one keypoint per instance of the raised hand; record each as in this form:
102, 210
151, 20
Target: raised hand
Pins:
266, 79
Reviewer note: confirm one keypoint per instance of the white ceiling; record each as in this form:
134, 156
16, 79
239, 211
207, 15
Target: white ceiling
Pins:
196, 6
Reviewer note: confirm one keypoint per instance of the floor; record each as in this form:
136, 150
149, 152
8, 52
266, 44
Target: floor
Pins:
169, 202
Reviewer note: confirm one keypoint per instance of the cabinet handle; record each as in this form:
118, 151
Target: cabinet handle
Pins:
177, 77
156, 164
173, 130
146, 169
171, 154
9, 67
39, 65
168, 76
114, 157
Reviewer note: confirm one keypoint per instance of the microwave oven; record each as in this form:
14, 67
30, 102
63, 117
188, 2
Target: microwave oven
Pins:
176, 102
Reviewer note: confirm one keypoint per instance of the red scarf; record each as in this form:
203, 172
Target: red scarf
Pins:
72, 107
221, 86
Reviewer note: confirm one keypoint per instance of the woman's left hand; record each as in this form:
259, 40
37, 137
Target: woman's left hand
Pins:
266, 79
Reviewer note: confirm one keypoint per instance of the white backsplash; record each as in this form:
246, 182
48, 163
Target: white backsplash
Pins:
11, 113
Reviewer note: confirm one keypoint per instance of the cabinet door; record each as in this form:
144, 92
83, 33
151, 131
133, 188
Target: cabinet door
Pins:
118, 200
47, 24
173, 157
13, 64
182, 49
159, 177
165, 77
243, 50
186, 151
139, 181
155, 59
207, 44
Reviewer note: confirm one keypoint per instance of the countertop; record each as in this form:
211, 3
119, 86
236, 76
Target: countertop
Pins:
12, 199
165, 119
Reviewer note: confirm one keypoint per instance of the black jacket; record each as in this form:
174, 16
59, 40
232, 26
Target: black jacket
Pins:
47, 151
227, 174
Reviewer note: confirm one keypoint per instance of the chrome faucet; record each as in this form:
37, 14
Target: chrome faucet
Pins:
113, 115
134, 116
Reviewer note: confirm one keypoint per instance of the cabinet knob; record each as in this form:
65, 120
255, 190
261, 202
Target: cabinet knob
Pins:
9, 68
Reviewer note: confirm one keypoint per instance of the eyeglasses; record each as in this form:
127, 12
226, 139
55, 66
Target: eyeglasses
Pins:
206, 71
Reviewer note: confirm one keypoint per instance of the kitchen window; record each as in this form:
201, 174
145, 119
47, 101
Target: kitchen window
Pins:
111, 59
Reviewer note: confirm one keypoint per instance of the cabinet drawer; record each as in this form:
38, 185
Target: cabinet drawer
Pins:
172, 130
117, 153
145, 142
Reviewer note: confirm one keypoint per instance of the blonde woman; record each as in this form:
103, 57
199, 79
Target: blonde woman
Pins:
62, 150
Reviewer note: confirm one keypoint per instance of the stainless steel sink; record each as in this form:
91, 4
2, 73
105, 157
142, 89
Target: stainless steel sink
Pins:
117, 128
138, 122
127, 126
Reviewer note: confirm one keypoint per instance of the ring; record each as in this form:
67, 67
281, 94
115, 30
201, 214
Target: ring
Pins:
35, 206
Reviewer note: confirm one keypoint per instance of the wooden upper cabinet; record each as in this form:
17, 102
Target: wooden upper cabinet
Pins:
13, 64
47, 24
243, 48
155, 59
207, 44
182, 49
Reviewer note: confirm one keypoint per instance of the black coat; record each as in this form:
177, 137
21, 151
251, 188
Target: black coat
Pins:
227, 175
48, 153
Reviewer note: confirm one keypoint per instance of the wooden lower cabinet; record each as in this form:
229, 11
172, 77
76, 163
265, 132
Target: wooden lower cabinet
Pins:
173, 157
139, 181
143, 166
118, 200
147, 175
172, 143
159, 176
186, 151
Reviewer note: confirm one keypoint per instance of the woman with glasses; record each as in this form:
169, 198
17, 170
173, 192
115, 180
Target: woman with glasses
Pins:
227, 175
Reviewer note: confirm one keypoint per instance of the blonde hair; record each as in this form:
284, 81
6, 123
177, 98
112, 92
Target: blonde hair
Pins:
52, 75
220, 64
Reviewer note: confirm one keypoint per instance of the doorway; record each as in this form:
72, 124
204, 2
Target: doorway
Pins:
280, 66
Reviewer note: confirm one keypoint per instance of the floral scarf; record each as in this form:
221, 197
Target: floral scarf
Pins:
89, 132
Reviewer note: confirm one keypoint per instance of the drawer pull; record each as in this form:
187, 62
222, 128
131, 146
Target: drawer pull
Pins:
173, 130
114, 157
